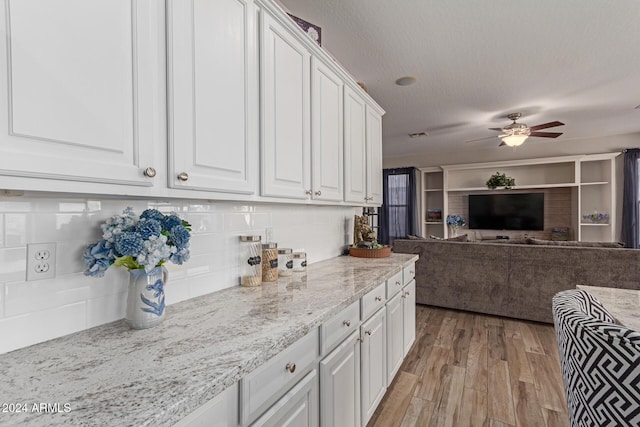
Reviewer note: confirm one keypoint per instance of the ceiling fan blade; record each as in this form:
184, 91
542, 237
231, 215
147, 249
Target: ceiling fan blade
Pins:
482, 139
546, 125
546, 134
498, 129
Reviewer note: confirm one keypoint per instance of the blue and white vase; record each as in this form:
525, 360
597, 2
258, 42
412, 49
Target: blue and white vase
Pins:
145, 302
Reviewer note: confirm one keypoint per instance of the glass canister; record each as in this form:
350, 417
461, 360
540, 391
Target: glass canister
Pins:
269, 262
285, 262
299, 261
251, 265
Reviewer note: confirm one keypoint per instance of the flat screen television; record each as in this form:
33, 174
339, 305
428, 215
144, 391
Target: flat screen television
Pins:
517, 211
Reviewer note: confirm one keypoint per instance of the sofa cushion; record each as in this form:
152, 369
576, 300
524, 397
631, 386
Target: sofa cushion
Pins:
534, 241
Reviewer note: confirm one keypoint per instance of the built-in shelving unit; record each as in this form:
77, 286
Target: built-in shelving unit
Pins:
432, 200
573, 185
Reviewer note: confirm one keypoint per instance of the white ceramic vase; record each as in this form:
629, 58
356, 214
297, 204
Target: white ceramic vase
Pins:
145, 301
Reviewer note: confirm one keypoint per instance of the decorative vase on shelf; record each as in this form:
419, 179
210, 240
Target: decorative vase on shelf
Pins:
453, 231
145, 301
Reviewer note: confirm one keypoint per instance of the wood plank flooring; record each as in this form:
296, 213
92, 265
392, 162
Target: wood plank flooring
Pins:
468, 369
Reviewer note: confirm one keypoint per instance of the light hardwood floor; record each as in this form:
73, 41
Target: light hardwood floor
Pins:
468, 369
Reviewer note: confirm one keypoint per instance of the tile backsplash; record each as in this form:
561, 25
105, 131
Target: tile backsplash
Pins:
36, 311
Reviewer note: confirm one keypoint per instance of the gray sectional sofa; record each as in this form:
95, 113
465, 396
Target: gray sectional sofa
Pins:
513, 280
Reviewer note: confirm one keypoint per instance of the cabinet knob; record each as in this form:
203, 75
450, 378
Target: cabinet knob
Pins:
318, 193
183, 176
291, 367
347, 323
149, 172
361, 339
407, 293
398, 282
378, 299
368, 333
308, 192
403, 296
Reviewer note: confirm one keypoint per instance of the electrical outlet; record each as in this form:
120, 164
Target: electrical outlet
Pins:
41, 261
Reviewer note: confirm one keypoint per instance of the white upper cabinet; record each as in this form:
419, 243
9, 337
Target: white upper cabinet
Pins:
212, 94
374, 156
363, 150
327, 132
82, 90
285, 87
355, 151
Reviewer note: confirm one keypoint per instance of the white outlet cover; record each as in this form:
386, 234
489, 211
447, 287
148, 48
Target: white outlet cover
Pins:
39, 266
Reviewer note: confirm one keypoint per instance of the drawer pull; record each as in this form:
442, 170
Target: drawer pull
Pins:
183, 176
378, 299
318, 193
291, 367
397, 282
368, 333
347, 323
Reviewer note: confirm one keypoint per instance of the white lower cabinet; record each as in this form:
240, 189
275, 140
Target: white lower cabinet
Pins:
409, 315
374, 362
221, 411
395, 335
297, 408
340, 385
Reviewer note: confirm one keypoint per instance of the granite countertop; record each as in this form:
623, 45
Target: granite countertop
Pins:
112, 375
623, 304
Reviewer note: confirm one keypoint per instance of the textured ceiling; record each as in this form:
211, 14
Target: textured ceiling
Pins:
574, 61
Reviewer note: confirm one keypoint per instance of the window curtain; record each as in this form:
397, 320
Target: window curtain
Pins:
398, 216
630, 199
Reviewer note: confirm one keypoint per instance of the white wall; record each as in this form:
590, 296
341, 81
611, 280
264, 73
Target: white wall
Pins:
36, 311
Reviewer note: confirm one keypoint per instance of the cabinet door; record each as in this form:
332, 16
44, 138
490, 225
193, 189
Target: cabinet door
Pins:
340, 385
374, 363
409, 311
355, 151
285, 87
81, 85
395, 335
374, 157
212, 95
327, 133
297, 408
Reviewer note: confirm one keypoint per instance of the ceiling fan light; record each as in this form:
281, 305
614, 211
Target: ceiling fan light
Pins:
514, 140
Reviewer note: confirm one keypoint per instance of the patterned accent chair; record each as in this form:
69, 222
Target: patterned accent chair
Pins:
600, 362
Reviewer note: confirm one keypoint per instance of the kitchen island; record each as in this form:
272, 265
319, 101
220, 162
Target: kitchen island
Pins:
112, 375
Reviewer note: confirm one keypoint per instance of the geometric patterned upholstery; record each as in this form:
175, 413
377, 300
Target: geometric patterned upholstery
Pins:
600, 362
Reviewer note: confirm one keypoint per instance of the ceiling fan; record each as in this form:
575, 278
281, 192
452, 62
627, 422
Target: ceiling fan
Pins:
515, 134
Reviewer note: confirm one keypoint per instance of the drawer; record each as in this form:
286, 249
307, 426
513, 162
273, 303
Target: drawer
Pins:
334, 330
264, 386
409, 272
371, 302
394, 284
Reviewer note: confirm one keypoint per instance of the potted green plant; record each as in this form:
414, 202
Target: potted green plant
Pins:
500, 180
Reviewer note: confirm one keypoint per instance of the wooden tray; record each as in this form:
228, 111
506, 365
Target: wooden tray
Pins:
370, 253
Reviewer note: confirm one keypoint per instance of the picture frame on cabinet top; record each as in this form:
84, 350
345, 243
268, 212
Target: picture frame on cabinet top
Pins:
314, 31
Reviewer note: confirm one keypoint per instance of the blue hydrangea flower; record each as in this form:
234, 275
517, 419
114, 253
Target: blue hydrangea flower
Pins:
149, 227
180, 257
152, 214
179, 236
97, 257
171, 221
129, 243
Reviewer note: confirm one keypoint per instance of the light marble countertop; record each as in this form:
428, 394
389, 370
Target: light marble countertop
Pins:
623, 304
112, 375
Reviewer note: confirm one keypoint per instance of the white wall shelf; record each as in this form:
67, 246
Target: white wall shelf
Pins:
588, 180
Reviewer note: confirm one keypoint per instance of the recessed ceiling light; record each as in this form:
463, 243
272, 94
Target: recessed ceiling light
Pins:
418, 134
406, 81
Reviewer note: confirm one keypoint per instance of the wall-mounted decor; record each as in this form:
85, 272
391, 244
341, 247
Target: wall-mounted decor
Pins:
314, 31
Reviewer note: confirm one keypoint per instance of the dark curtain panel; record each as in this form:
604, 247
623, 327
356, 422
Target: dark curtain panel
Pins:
630, 199
398, 214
